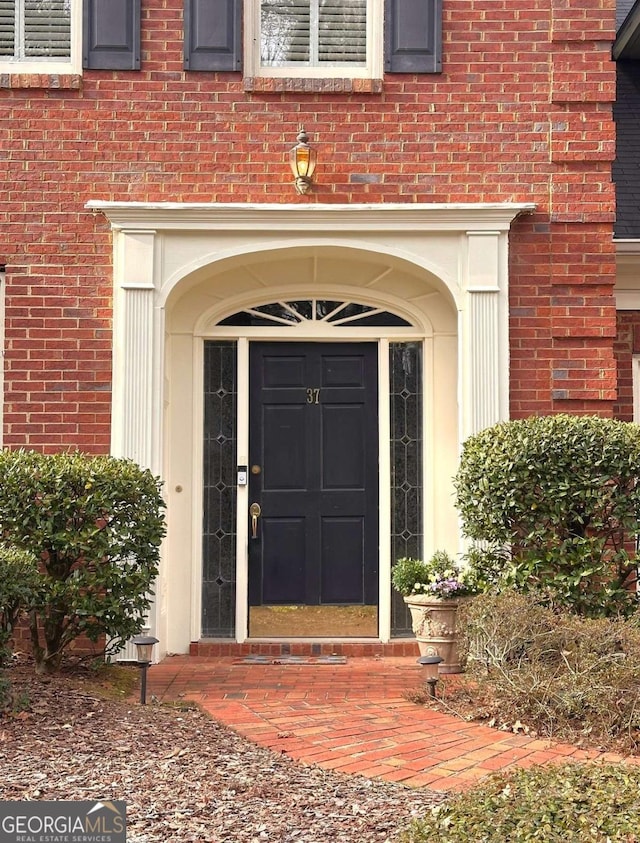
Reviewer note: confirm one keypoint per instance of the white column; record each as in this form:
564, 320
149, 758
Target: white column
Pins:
484, 333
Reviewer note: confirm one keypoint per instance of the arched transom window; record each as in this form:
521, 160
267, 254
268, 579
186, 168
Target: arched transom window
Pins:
339, 314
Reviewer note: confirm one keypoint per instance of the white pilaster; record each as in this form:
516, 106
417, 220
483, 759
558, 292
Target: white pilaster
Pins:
137, 352
484, 333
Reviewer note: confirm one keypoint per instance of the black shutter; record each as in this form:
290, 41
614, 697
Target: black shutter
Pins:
413, 36
212, 34
111, 34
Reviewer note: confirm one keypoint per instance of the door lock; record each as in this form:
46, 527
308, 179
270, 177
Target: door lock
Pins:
254, 512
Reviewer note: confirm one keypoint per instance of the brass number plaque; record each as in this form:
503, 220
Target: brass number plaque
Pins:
313, 396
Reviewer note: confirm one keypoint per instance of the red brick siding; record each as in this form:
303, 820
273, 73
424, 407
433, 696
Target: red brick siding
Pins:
627, 344
521, 113
79, 647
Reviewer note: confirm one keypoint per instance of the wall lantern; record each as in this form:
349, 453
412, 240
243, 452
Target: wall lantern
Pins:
431, 673
302, 159
144, 647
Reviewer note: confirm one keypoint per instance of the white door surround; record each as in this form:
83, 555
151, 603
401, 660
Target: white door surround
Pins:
181, 268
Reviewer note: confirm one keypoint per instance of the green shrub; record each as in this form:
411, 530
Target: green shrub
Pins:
554, 503
18, 583
590, 803
560, 674
18, 578
95, 525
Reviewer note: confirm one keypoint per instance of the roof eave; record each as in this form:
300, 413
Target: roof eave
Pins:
627, 43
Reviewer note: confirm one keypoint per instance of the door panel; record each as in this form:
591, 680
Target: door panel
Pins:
342, 550
342, 371
283, 371
344, 447
284, 463
284, 542
314, 457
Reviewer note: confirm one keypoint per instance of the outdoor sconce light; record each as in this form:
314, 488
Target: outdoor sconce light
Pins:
430, 667
144, 646
302, 159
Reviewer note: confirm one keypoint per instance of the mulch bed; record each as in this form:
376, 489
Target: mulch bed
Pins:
469, 700
183, 776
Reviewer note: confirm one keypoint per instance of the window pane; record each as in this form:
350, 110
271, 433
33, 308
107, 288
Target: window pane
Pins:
379, 320
350, 309
284, 31
244, 318
278, 311
7, 27
342, 35
313, 32
47, 28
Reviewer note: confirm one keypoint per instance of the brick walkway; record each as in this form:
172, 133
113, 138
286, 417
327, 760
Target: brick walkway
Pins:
351, 717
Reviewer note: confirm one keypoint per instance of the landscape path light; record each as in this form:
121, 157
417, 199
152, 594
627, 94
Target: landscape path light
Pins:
144, 647
430, 668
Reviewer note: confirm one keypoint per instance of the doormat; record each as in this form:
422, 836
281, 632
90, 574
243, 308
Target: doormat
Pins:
292, 660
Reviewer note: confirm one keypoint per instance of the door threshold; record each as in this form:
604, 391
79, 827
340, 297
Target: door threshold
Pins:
305, 647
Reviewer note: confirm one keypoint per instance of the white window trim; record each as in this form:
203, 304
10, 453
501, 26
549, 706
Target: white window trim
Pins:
373, 69
71, 65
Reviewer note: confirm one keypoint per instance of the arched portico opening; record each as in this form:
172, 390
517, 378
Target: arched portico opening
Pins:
320, 314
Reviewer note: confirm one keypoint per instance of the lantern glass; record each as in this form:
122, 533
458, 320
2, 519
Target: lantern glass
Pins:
144, 647
430, 666
430, 670
302, 160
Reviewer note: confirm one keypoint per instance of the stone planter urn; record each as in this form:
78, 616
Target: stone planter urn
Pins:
433, 620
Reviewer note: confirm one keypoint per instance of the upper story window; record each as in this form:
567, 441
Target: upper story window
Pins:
323, 35
314, 38
63, 36
40, 36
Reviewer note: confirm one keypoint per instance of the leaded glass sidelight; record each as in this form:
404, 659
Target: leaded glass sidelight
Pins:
219, 493
405, 388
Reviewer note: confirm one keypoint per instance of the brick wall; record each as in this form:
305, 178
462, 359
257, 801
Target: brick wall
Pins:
627, 344
80, 647
522, 112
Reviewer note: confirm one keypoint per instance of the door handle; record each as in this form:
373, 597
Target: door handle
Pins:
254, 512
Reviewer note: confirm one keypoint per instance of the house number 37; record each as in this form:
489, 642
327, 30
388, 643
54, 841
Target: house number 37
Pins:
313, 396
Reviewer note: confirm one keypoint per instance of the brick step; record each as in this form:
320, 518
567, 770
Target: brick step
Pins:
214, 647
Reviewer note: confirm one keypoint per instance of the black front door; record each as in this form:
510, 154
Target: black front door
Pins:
313, 443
